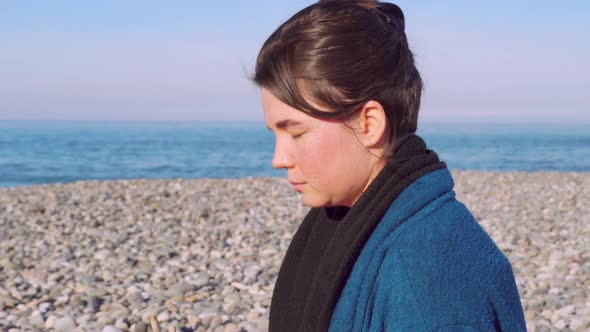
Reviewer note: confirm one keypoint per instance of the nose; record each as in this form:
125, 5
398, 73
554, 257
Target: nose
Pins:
281, 157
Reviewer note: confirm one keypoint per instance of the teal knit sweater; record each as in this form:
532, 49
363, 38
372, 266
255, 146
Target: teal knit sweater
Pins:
429, 266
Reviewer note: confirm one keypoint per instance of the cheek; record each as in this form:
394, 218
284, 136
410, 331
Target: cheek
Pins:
309, 157
324, 156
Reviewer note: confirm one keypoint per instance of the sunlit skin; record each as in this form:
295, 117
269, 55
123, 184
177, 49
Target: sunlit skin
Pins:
327, 162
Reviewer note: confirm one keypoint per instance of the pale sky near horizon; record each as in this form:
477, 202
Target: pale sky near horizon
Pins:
496, 61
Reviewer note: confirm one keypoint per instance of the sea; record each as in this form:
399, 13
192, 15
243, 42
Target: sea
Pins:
45, 152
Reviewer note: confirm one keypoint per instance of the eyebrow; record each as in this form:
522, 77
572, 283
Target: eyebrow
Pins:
285, 123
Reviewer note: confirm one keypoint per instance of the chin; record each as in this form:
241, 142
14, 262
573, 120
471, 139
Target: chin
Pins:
314, 202
319, 202
314, 205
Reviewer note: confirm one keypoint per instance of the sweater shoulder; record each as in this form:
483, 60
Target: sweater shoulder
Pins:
448, 233
453, 269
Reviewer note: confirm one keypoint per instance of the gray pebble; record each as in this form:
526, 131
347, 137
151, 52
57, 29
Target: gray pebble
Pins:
141, 327
215, 321
577, 324
44, 306
50, 322
202, 279
94, 303
164, 316
135, 298
110, 328
65, 324
180, 289
37, 319
231, 328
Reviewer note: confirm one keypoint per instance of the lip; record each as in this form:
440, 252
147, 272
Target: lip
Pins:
297, 186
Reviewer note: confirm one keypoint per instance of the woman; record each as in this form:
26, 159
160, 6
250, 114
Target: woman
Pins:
385, 247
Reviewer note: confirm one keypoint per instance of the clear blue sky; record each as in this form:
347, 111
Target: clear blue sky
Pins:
502, 61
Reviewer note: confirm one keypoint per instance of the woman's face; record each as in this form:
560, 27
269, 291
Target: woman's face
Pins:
324, 160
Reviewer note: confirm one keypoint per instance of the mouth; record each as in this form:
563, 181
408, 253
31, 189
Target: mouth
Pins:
297, 186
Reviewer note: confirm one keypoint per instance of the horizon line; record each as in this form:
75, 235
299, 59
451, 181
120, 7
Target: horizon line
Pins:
253, 121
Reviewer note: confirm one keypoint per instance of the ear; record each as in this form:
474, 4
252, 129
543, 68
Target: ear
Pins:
371, 124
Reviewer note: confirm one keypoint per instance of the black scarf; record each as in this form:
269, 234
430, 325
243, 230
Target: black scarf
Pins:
329, 240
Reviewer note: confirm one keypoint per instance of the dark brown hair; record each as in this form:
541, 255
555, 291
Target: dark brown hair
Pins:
340, 54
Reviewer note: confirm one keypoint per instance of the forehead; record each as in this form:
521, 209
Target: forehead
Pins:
277, 112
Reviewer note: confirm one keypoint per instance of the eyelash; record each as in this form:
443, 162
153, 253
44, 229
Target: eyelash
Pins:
296, 135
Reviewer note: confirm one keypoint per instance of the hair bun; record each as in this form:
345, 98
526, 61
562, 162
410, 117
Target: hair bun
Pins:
394, 15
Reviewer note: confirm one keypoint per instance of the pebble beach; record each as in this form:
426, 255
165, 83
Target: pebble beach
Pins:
203, 255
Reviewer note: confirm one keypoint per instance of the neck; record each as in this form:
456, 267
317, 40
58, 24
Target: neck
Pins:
376, 169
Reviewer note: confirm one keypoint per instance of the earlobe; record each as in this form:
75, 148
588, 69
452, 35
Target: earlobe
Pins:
373, 124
